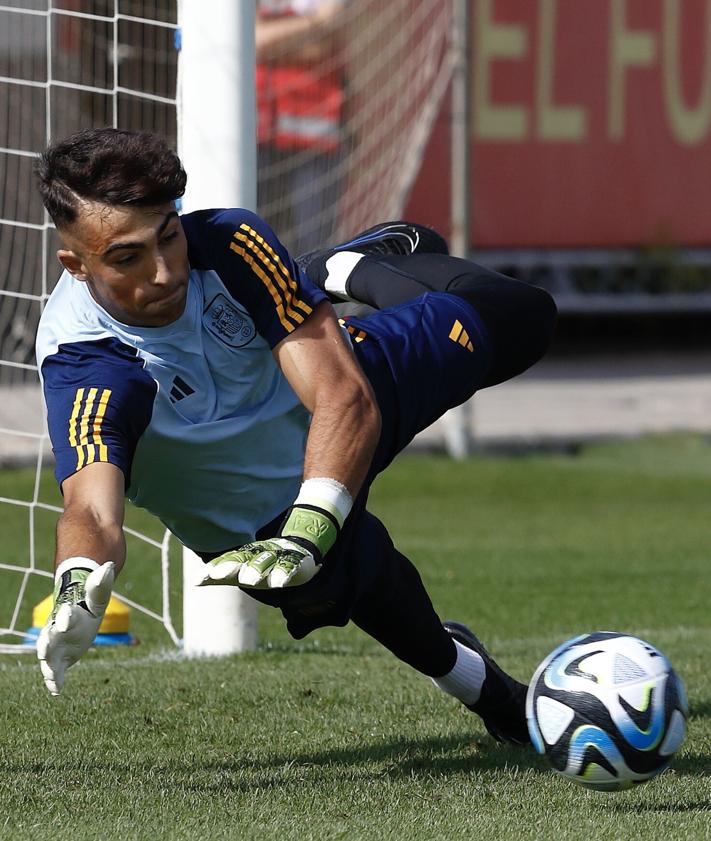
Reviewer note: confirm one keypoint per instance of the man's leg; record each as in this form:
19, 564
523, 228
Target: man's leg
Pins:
432, 353
519, 318
397, 237
365, 579
423, 357
397, 611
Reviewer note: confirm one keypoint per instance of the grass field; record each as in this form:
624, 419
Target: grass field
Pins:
334, 739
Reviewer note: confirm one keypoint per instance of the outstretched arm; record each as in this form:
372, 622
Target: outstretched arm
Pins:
90, 550
321, 368
315, 355
345, 428
92, 522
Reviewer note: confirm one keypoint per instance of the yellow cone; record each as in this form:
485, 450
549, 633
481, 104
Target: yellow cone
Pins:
116, 618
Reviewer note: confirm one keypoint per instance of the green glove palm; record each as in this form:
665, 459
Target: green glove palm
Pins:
291, 559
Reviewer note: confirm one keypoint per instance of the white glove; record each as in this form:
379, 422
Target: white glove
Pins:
264, 564
81, 595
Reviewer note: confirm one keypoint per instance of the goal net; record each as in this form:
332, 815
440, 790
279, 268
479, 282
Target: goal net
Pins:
344, 115
64, 65
326, 170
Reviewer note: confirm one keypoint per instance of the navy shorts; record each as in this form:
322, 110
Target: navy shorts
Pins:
422, 358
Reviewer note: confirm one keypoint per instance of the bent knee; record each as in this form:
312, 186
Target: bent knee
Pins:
519, 318
538, 308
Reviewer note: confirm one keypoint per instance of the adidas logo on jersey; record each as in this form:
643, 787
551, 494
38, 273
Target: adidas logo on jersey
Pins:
180, 390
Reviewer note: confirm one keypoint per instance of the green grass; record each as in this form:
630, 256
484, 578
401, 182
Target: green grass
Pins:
332, 737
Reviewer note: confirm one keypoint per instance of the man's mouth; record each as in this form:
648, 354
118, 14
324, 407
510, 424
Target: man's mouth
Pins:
171, 297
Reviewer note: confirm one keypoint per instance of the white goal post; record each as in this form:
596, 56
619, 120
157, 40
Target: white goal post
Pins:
217, 143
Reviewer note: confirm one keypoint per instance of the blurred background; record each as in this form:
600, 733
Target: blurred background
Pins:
566, 144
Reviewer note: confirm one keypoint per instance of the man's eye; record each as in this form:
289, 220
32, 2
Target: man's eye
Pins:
170, 236
125, 261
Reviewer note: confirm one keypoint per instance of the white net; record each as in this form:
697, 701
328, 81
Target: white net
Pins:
345, 111
64, 65
344, 117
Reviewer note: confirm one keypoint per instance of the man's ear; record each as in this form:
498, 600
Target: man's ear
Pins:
73, 264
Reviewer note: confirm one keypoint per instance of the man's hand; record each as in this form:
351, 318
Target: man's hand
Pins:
263, 564
291, 559
80, 600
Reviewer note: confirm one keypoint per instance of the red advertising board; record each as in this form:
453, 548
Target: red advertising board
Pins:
590, 125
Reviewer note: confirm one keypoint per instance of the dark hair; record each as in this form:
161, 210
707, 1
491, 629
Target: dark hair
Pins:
109, 166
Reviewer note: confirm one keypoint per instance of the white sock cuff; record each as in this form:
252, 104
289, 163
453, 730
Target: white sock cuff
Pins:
339, 268
466, 678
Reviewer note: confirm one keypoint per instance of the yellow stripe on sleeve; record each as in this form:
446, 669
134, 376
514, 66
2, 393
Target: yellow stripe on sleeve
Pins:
293, 295
302, 305
280, 287
98, 420
78, 397
84, 431
287, 325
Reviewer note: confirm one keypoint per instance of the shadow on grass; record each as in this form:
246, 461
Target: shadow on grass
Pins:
693, 766
426, 757
398, 759
701, 709
643, 807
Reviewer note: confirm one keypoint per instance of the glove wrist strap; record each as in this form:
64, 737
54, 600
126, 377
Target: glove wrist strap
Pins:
74, 563
310, 526
70, 581
317, 515
327, 494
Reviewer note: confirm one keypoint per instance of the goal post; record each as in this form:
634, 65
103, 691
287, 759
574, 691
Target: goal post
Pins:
217, 135
217, 143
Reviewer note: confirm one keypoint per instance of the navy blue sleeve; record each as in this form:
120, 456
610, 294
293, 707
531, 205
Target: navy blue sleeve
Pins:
99, 402
254, 266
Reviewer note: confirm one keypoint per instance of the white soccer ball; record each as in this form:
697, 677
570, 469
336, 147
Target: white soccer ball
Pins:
607, 709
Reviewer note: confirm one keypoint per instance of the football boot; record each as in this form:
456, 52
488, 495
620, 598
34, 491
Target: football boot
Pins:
397, 238
502, 703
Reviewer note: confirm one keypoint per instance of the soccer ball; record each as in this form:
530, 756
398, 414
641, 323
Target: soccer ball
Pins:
607, 710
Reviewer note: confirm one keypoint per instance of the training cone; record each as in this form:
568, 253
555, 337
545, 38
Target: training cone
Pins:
113, 629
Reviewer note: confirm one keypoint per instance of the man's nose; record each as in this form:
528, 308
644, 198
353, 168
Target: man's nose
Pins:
161, 275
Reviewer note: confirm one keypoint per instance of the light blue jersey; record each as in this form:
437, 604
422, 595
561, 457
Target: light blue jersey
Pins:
207, 431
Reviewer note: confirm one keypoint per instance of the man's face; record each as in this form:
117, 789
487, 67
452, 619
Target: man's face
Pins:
133, 259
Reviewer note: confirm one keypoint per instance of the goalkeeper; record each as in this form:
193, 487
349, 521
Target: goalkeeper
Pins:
190, 364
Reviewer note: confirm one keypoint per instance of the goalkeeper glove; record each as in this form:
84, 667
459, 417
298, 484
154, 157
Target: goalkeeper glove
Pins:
81, 594
296, 554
